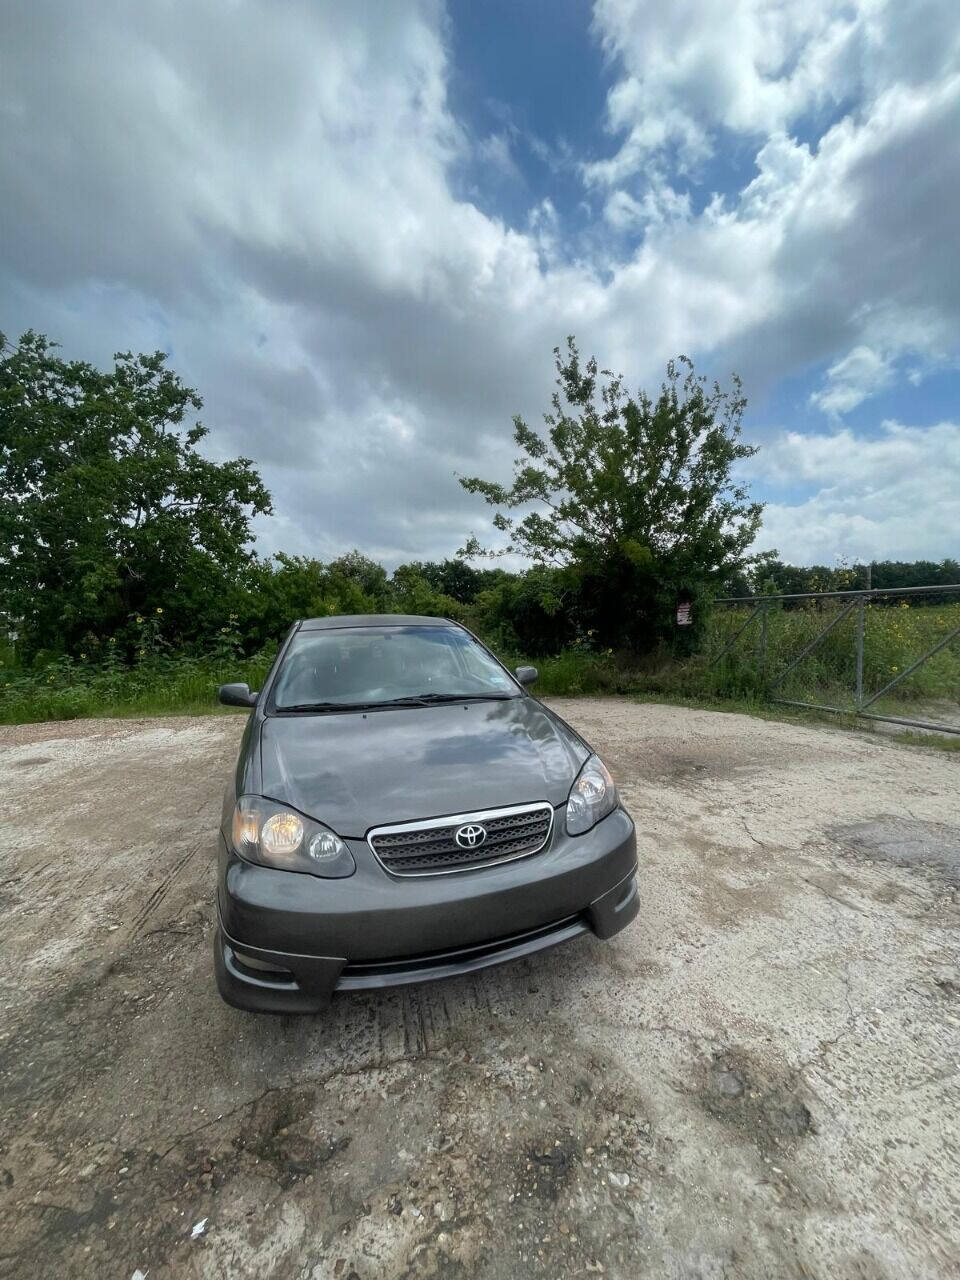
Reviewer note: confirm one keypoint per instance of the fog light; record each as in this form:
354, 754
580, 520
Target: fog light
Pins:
254, 962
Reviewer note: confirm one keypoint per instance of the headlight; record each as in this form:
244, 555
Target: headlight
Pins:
592, 797
275, 836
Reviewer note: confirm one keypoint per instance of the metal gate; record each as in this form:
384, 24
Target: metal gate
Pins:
851, 602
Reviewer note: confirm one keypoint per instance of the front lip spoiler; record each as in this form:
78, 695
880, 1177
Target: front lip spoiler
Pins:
392, 973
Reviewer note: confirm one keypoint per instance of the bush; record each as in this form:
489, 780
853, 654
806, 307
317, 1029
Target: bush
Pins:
65, 689
576, 673
531, 613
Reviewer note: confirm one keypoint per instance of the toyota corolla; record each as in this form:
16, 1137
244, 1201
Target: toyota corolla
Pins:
403, 810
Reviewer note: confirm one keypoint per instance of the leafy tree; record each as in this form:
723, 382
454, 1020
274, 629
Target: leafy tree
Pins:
535, 612
412, 592
277, 592
916, 573
633, 497
280, 590
772, 577
793, 579
364, 575
107, 509
455, 578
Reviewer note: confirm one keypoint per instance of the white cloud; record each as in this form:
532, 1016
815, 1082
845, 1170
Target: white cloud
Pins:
895, 495
269, 192
495, 150
753, 67
851, 380
689, 69
893, 335
784, 168
660, 204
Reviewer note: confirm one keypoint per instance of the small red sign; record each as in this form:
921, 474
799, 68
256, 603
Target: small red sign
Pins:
683, 615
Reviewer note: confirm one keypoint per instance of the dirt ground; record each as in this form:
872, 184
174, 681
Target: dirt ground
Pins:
759, 1078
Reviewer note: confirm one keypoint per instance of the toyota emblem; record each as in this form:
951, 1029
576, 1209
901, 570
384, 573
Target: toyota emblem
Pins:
470, 836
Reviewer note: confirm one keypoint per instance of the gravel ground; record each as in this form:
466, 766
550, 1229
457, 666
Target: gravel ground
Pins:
760, 1078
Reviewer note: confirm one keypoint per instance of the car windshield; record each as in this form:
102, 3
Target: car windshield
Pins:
374, 665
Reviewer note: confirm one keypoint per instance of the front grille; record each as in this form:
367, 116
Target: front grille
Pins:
429, 848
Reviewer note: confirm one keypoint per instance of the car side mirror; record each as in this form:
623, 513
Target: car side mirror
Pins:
526, 675
237, 695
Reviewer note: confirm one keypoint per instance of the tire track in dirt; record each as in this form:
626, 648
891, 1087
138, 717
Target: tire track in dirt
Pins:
158, 895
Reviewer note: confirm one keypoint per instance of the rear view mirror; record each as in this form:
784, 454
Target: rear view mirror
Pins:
526, 675
237, 695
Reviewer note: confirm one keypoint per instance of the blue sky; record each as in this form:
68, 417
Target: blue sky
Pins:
360, 230
533, 78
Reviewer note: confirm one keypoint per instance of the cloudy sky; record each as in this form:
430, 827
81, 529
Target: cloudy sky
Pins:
360, 228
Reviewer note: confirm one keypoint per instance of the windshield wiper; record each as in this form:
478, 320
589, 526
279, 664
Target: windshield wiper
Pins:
425, 699
329, 706
412, 700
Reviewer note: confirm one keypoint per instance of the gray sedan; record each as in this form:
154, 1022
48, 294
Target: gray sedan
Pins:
403, 810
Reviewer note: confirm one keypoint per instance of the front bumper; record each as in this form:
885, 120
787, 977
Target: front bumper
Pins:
287, 942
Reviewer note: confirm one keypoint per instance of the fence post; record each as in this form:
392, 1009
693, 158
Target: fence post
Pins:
861, 611
763, 643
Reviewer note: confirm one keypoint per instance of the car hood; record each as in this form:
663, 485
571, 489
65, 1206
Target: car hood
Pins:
354, 771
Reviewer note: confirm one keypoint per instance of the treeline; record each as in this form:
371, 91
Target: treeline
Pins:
539, 612
771, 576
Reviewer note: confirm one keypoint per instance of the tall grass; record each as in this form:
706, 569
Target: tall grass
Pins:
157, 684
578, 672
895, 635
184, 684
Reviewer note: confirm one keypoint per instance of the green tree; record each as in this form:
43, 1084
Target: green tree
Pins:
454, 578
535, 612
634, 497
354, 577
107, 509
279, 591
413, 592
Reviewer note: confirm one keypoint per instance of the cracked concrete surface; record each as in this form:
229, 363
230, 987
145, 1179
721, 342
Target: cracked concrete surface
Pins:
759, 1078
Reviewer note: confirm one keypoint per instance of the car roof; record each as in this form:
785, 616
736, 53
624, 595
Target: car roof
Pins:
373, 620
